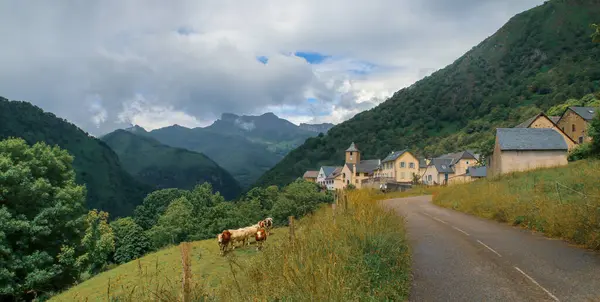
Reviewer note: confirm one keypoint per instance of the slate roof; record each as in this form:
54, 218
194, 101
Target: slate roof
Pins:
335, 173
527, 122
310, 174
477, 171
368, 166
530, 139
328, 170
393, 156
587, 113
352, 148
442, 165
554, 118
455, 157
422, 163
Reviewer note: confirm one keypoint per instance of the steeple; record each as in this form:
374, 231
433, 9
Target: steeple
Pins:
352, 154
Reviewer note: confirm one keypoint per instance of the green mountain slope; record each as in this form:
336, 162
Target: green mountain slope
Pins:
540, 58
163, 166
109, 186
246, 146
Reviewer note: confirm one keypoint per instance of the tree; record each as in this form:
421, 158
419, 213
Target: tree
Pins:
596, 34
416, 178
594, 132
130, 240
298, 199
41, 218
146, 215
175, 225
98, 242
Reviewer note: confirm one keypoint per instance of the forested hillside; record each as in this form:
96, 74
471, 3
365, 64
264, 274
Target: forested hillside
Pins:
540, 58
162, 166
109, 186
246, 146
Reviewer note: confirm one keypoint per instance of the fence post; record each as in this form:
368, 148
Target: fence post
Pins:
187, 270
333, 206
291, 223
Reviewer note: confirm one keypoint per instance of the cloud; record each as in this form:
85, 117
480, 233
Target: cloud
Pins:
191, 60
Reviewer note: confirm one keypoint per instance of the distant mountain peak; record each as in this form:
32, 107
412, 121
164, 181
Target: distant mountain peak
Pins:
321, 128
229, 117
136, 129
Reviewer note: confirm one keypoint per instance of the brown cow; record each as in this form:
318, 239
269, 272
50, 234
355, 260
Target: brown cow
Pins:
224, 239
261, 237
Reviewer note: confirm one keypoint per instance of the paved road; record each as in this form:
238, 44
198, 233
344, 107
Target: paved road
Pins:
458, 257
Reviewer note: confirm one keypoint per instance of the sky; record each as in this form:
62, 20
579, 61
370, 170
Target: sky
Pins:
108, 64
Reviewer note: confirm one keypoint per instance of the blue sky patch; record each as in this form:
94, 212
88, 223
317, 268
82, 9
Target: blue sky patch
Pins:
185, 31
311, 100
262, 59
311, 57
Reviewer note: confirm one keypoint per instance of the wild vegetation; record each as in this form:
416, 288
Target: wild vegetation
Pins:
109, 187
561, 202
360, 253
540, 58
162, 166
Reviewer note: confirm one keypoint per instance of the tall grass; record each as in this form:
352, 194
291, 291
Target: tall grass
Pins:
360, 255
561, 202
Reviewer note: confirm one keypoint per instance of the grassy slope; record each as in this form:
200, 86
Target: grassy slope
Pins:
109, 186
167, 167
561, 202
363, 256
162, 269
540, 58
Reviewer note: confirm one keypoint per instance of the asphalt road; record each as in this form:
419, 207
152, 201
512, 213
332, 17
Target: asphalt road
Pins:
459, 257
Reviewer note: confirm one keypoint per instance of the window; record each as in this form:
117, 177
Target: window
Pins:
357, 174
573, 127
467, 162
411, 165
429, 177
581, 139
402, 164
356, 181
344, 175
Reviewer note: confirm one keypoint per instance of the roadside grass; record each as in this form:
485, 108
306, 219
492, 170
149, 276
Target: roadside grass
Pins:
358, 254
157, 276
562, 202
417, 190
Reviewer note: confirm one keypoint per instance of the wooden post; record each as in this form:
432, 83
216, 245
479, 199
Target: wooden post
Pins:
187, 270
291, 223
333, 206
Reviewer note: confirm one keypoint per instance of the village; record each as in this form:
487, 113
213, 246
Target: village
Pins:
541, 141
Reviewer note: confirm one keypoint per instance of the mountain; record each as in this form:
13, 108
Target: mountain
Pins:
162, 166
246, 146
109, 186
319, 128
538, 59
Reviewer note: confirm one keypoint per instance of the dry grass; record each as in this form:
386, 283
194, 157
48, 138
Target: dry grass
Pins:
360, 255
158, 276
561, 202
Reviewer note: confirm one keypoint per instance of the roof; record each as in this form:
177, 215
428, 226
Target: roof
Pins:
352, 148
455, 157
310, 174
422, 163
554, 118
368, 166
528, 122
530, 139
442, 165
587, 113
335, 173
327, 170
393, 156
477, 171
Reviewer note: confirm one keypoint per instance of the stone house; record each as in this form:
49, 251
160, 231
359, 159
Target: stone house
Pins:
541, 120
575, 121
522, 149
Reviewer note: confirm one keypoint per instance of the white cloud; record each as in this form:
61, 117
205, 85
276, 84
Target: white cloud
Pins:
62, 55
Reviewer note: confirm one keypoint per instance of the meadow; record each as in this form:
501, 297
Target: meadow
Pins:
359, 253
561, 202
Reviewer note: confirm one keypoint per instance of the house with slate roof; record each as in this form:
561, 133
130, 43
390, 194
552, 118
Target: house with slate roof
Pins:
541, 120
324, 171
522, 149
334, 180
355, 170
450, 168
399, 166
575, 121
